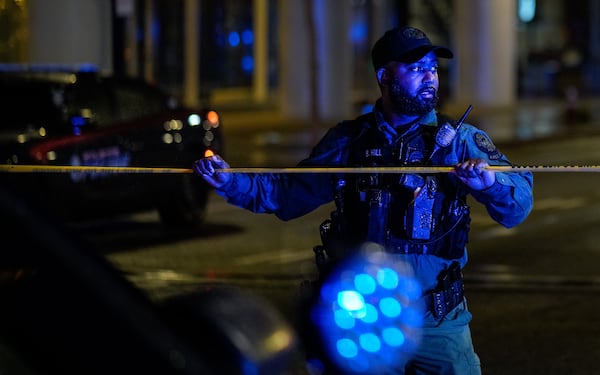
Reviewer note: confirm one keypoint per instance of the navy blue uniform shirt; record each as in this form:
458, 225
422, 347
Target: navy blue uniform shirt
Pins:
508, 201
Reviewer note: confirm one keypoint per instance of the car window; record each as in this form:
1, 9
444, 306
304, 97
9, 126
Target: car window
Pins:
90, 99
135, 100
30, 104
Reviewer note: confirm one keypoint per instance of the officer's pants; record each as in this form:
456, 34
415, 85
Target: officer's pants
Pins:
446, 347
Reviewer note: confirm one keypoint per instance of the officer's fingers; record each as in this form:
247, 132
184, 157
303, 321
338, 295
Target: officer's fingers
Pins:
199, 167
219, 162
464, 166
462, 169
204, 167
480, 164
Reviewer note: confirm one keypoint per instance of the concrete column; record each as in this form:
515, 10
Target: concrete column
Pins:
485, 50
294, 58
333, 54
334, 58
71, 32
190, 53
131, 61
148, 41
260, 83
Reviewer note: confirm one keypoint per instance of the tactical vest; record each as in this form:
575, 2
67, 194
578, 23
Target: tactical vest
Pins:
407, 213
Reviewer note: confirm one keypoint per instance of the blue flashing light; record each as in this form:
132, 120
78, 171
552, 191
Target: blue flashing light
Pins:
370, 342
369, 315
233, 39
393, 336
343, 319
351, 300
387, 278
390, 307
364, 283
77, 121
347, 348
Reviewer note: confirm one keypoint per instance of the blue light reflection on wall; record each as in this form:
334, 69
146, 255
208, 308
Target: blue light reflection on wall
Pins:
247, 37
247, 64
369, 314
234, 39
358, 31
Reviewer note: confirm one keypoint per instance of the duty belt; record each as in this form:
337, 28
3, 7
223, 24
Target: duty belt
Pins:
441, 247
401, 246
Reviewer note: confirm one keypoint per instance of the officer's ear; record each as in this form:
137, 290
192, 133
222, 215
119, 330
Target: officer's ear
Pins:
383, 76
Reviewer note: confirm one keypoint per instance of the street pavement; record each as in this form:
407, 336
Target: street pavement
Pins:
533, 323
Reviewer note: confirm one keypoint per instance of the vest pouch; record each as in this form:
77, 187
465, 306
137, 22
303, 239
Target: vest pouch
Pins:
378, 215
419, 216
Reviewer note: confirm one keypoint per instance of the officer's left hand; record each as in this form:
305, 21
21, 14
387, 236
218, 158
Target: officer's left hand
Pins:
474, 174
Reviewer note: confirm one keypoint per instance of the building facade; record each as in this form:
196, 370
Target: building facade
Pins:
310, 59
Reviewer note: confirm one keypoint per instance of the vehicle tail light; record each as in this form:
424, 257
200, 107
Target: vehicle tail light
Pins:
213, 118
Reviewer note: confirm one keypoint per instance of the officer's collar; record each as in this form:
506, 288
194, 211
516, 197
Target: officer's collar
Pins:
429, 119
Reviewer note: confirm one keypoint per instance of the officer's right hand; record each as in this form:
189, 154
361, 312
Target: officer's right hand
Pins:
207, 168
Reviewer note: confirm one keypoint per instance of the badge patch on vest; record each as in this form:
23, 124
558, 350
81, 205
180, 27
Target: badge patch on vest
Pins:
486, 145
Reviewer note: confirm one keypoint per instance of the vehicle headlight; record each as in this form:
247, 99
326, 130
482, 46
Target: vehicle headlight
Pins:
194, 120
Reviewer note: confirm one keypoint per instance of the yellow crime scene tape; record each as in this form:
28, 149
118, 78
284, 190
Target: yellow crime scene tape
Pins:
17, 168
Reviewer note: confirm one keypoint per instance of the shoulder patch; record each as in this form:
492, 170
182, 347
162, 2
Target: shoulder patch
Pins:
484, 143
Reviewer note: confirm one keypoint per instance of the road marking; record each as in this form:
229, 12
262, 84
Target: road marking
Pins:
560, 203
274, 257
503, 281
520, 282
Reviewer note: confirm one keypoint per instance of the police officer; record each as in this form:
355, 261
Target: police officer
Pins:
421, 219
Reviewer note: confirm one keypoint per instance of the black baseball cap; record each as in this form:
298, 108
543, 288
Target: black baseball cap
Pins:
404, 44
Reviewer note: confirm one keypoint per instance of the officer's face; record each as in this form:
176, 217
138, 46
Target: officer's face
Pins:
414, 86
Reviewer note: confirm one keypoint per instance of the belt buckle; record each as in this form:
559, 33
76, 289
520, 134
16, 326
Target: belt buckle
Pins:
412, 248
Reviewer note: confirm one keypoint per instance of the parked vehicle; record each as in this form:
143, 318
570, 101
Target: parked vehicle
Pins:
80, 117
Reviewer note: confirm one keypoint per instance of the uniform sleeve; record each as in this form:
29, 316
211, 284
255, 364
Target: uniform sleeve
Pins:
290, 195
510, 199
286, 196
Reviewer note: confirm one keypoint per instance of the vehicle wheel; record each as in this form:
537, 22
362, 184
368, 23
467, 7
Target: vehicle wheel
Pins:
185, 208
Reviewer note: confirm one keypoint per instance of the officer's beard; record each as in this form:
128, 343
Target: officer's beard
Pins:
403, 102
